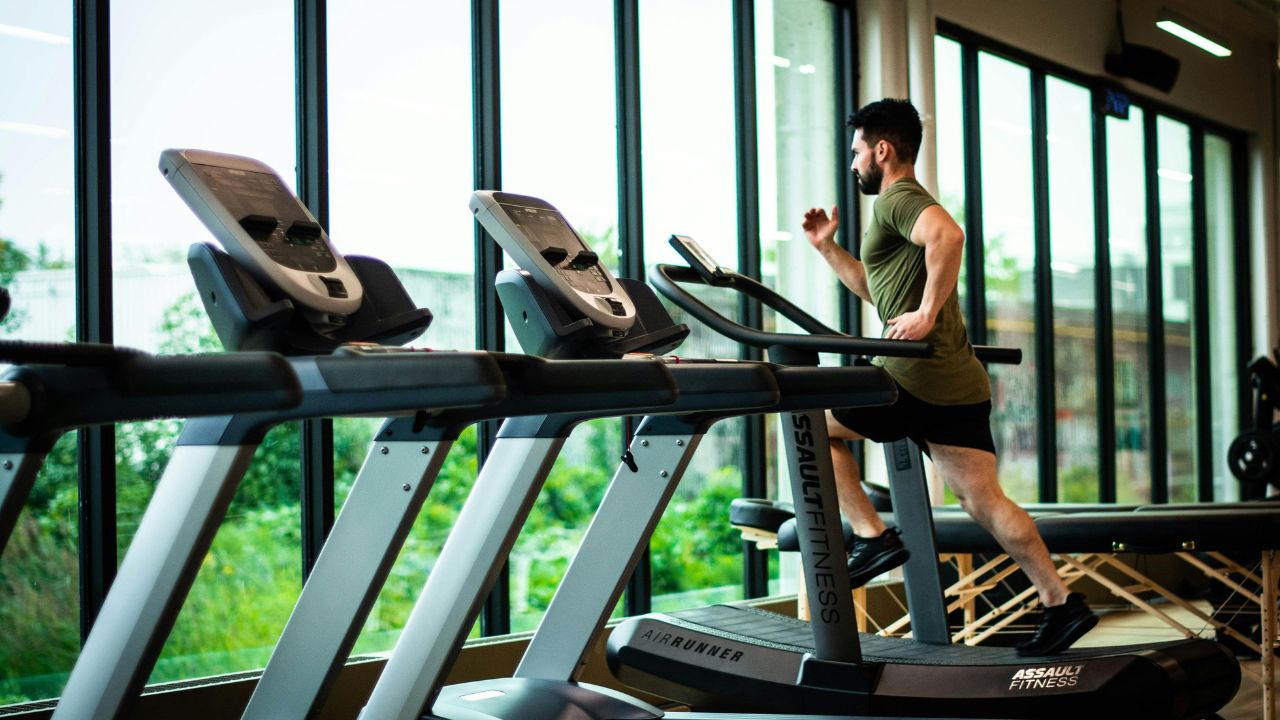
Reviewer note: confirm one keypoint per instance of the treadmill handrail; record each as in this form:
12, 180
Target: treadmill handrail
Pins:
23, 352
72, 385
666, 278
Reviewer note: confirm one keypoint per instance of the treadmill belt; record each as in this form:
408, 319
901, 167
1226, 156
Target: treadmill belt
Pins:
752, 625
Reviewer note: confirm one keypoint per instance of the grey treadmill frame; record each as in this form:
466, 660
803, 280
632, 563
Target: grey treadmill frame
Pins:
630, 511
176, 530
388, 493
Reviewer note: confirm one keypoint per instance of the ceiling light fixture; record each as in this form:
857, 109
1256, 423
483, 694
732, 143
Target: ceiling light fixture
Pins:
1180, 27
38, 36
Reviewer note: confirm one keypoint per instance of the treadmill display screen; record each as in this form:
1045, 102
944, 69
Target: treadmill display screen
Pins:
256, 199
546, 229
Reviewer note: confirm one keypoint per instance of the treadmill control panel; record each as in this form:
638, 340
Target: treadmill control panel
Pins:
266, 228
538, 237
699, 259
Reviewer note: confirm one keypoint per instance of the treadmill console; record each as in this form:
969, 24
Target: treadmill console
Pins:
699, 259
538, 237
267, 230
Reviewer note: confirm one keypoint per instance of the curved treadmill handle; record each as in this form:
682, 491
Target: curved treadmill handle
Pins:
667, 279
1000, 355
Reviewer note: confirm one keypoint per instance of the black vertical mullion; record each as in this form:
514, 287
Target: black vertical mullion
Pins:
1158, 442
626, 63
754, 462
626, 34
487, 171
1105, 342
747, 150
846, 105
975, 284
850, 305
94, 302
316, 435
1243, 278
1200, 303
1046, 428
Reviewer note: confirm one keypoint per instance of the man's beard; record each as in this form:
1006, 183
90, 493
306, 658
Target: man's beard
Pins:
870, 183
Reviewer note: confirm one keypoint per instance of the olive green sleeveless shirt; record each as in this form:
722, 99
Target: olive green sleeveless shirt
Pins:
896, 277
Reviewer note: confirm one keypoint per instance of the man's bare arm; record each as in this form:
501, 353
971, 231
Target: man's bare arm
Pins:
821, 231
943, 243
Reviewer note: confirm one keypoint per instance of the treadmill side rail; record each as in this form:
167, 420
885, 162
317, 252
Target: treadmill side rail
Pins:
910, 496
172, 539
835, 634
501, 497
617, 536
357, 556
17, 476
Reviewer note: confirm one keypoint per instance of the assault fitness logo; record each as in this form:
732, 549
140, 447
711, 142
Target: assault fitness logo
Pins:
1038, 678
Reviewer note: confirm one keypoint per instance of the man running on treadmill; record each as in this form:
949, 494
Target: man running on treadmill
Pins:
910, 263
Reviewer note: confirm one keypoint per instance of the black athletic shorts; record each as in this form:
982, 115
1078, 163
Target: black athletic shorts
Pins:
959, 425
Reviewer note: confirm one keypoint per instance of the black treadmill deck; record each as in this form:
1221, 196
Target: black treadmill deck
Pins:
742, 659
748, 624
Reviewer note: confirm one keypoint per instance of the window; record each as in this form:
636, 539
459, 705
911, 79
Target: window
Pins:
687, 119
1127, 406
174, 94
949, 134
1127, 218
1008, 227
39, 574
1071, 236
400, 149
1173, 142
1224, 366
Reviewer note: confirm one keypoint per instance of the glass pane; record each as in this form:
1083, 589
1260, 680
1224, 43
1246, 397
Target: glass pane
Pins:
1071, 236
1126, 210
949, 124
1173, 140
1224, 366
1008, 223
799, 160
39, 572
167, 94
687, 114
559, 138
400, 140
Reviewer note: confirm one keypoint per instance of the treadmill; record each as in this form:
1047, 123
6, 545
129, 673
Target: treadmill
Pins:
281, 286
761, 659
563, 302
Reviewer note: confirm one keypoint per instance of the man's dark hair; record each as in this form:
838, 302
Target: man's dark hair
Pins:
895, 121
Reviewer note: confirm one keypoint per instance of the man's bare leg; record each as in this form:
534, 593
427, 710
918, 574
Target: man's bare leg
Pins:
854, 503
971, 475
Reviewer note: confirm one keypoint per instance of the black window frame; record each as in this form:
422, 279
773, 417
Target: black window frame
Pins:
972, 43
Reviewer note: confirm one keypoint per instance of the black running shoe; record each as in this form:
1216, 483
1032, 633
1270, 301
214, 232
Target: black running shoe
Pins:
869, 557
1060, 626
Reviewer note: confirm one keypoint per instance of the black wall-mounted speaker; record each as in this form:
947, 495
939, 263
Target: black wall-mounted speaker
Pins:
1144, 64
